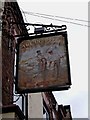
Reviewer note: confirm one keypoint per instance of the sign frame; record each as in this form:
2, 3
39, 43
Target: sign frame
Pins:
52, 88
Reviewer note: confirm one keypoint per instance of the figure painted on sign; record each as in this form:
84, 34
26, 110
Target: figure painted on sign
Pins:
57, 68
54, 61
42, 64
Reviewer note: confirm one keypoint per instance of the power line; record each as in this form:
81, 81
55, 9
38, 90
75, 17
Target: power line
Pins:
46, 17
57, 16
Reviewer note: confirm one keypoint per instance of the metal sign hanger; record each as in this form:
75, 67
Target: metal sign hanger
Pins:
41, 28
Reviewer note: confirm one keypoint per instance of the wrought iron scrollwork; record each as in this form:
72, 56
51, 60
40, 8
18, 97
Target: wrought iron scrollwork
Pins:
41, 28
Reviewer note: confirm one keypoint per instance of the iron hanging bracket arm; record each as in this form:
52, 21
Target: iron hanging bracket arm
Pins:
42, 28
32, 24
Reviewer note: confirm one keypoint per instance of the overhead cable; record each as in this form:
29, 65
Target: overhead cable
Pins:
46, 17
74, 19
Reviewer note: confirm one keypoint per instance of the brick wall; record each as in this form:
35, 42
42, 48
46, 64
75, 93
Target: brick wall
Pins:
55, 111
11, 14
7, 59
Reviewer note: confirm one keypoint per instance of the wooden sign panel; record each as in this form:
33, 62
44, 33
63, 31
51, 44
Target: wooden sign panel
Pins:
42, 63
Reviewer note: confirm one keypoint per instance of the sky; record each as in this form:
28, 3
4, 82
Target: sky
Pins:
77, 95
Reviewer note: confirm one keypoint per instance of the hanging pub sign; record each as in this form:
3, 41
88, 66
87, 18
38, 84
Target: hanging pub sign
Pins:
43, 63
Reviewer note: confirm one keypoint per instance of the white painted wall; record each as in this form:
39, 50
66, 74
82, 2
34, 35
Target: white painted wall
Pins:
35, 105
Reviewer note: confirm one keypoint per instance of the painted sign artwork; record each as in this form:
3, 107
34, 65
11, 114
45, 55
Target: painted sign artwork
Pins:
42, 63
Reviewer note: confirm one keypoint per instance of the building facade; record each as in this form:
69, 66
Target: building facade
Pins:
44, 105
54, 111
10, 13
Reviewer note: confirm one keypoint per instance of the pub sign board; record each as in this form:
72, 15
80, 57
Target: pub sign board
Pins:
43, 63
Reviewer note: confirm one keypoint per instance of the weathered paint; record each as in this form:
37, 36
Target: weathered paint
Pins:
42, 63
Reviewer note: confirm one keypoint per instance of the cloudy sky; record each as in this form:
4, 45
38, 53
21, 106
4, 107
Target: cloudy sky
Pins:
77, 95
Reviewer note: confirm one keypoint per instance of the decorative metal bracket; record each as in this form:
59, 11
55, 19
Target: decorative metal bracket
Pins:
41, 28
